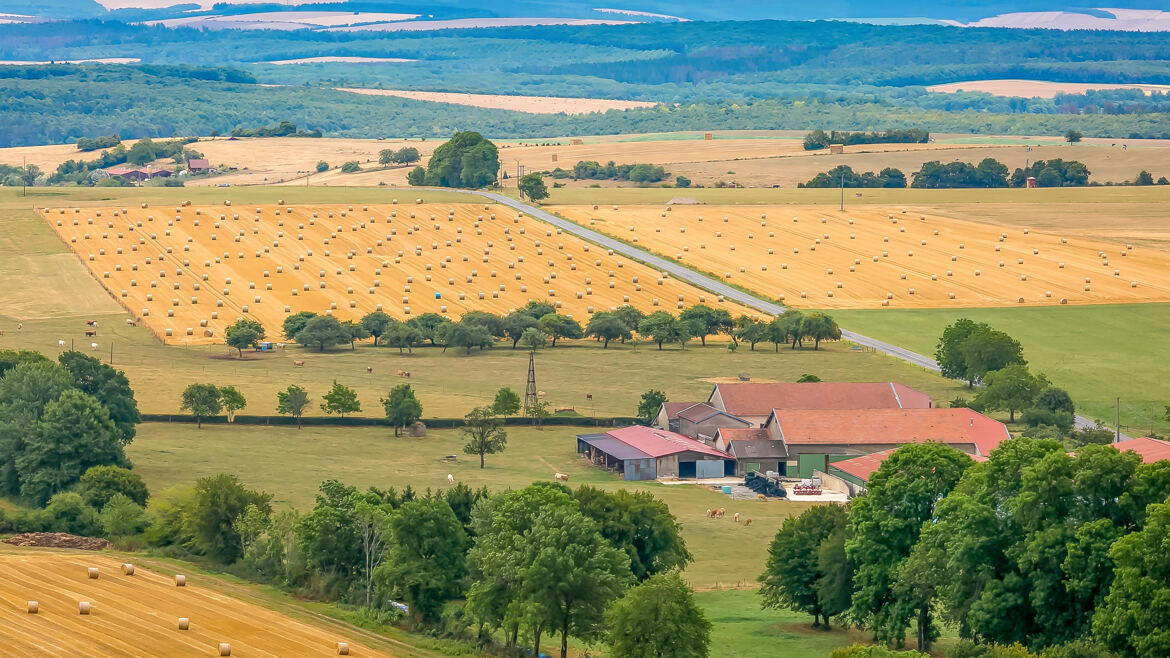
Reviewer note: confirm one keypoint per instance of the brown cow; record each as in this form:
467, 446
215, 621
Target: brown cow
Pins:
90, 332
747, 522
563, 477
298, 363
719, 513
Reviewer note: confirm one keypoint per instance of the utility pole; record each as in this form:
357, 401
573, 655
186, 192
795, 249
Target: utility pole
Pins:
24, 177
1117, 421
842, 190
530, 389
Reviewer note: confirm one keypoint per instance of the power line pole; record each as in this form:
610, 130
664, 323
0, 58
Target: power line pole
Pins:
1117, 421
24, 176
842, 190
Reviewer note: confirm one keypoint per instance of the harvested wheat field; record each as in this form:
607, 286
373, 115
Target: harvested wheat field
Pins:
870, 256
190, 271
1037, 88
138, 614
527, 104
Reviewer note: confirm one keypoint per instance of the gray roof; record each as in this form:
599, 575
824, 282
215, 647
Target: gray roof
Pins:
613, 447
758, 450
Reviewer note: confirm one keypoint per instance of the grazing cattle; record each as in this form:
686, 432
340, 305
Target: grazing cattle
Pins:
369, 369
91, 323
761, 497
20, 326
298, 364
450, 480
280, 346
406, 374
401, 373
93, 346
719, 513
709, 510
60, 343
747, 522
130, 323
735, 517
90, 332
540, 394
563, 477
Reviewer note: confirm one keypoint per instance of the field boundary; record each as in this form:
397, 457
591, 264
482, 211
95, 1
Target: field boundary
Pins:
368, 421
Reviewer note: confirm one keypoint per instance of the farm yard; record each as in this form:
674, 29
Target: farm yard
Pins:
166, 267
138, 614
872, 257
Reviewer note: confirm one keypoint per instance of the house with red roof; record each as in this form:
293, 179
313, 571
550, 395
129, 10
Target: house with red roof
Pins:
814, 439
1150, 450
754, 401
753, 449
647, 453
851, 476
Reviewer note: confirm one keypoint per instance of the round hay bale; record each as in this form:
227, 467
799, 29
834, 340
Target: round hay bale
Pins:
342, 649
184, 624
33, 607
127, 568
180, 580
1063, 300
93, 573
83, 607
225, 649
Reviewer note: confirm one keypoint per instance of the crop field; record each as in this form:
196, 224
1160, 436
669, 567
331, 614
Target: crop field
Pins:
138, 614
871, 257
165, 265
1036, 88
527, 104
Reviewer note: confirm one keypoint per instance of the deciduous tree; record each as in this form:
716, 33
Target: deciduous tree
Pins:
506, 403
340, 400
427, 562
292, 401
650, 404
402, 407
232, 401
484, 433
323, 331
244, 333
656, 619
793, 574
202, 400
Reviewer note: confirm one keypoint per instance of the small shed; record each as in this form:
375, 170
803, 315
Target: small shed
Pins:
836, 149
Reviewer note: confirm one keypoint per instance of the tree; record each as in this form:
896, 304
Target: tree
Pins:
402, 407
202, 400
661, 327
385, 156
466, 160
605, 326
292, 401
377, 324
493, 323
793, 573
25, 392
484, 433
294, 323
355, 331
658, 618
569, 574
467, 336
559, 326
426, 562
1143, 178
818, 327
533, 338
986, 350
405, 155
630, 317
751, 331
351, 167
108, 386
374, 525
323, 331
650, 404
416, 176
884, 526
682, 181
507, 402
1073, 136
99, 484
403, 335
122, 517
533, 187
1129, 621
322, 166
74, 433
707, 321
538, 411
219, 500
426, 324
639, 524
516, 323
244, 333
1012, 388
232, 401
807, 378
67, 512
340, 400
949, 351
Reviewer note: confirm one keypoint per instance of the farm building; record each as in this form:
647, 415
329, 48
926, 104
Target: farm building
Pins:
753, 450
851, 476
198, 165
138, 174
814, 439
1150, 450
647, 453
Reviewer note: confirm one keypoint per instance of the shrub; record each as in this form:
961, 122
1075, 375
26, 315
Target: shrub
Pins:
101, 483
67, 512
351, 166
122, 516
873, 651
322, 166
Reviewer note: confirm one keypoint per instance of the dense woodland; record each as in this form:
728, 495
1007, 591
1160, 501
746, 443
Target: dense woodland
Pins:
748, 75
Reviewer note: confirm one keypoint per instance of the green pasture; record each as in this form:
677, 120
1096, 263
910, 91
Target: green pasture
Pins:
1098, 353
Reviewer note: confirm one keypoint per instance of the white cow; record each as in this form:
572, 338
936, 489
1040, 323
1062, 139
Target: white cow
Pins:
450, 480
93, 346
60, 343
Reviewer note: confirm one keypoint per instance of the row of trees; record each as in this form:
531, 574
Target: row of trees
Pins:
404, 155
635, 173
844, 176
1035, 546
936, 175
819, 139
57, 419
537, 324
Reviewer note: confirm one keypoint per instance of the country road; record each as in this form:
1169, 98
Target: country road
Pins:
708, 283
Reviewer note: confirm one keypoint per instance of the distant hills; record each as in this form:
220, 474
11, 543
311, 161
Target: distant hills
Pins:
958, 11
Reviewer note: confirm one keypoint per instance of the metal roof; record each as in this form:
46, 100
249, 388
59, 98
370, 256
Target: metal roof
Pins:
612, 447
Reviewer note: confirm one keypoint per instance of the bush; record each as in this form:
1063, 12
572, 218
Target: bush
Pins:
873, 651
67, 512
122, 517
322, 166
968, 649
682, 181
351, 166
101, 483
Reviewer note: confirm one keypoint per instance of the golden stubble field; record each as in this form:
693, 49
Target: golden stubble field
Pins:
190, 271
138, 615
871, 256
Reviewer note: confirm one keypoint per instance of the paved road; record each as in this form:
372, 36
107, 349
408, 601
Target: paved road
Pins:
710, 284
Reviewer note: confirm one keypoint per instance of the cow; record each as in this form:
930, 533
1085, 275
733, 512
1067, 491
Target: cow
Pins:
406, 374
20, 326
747, 522
761, 497
280, 346
130, 323
735, 517
709, 511
369, 369
298, 364
90, 333
719, 512
93, 346
563, 477
91, 323
450, 479
60, 343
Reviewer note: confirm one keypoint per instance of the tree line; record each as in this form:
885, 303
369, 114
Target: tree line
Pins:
989, 173
819, 139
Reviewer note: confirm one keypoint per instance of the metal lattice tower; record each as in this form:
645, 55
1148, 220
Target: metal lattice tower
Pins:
530, 390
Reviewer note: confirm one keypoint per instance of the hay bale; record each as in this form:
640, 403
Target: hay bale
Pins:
83, 607
180, 580
93, 573
127, 568
184, 624
342, 649
33, 607
225, 649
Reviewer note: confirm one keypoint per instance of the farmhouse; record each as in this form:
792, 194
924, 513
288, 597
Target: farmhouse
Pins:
198, 165
1150, 450
851, 476
647, 453
815, 438
753, 450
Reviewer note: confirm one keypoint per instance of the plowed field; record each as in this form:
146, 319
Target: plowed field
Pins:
138, 615
868, 256
189, 272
